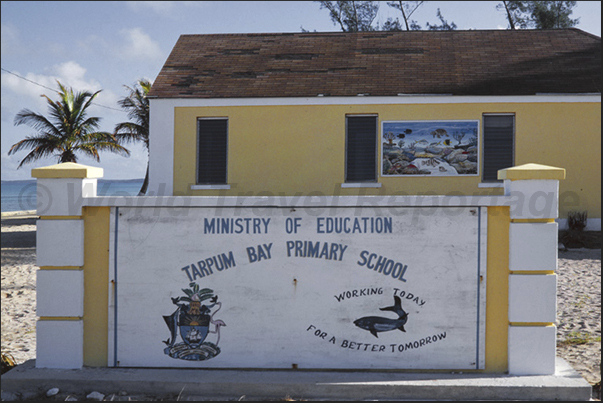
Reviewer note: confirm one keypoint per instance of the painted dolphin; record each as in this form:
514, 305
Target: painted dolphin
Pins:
375, 324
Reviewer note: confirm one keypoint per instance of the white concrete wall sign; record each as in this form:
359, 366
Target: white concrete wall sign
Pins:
270, 287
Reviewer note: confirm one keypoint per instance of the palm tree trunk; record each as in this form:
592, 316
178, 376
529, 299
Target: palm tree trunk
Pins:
145, 183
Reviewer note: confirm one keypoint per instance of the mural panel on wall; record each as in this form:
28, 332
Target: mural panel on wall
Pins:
319, 287
430, 148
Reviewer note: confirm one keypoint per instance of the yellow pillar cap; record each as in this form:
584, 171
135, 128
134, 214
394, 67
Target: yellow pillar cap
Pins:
67, 170
531, 171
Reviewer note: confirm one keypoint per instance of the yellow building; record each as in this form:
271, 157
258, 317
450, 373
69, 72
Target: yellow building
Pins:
377, 113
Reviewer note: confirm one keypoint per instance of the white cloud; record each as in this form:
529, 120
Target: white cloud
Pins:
93, 44
73, 75
31, 86
160, 7
163, 8
138, 45
10, 39
129, 44
70, 74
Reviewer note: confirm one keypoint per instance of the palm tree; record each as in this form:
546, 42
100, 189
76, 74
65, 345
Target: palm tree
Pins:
137, 105
66, 132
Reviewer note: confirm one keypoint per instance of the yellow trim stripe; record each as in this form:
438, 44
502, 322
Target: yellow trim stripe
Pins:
535, 272
541, 324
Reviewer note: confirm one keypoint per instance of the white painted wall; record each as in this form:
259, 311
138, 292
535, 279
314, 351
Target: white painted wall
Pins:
60, 243
63, 196
161, 148
533, 199
533, 246
532, 350
533, 298
60, 344
60, 293
280, 308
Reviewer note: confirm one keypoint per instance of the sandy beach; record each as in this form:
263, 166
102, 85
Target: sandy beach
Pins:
19, 285
578, 299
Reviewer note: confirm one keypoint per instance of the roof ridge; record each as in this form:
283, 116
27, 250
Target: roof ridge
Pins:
435, 32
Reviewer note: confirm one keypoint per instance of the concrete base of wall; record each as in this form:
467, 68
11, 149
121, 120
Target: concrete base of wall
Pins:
197, 384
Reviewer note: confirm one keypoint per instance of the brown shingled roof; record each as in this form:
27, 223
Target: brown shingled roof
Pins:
491, 62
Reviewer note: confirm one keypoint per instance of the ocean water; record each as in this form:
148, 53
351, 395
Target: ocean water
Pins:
21, 195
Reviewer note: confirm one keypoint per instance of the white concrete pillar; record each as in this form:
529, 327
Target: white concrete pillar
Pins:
532, 266
60, 256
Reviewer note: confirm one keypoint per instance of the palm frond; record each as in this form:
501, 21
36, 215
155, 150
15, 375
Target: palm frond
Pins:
137, 106
102, 141
90, 124
89, 150
130, 132
88, 99
42, 142
35, 121
67, 129
42, 146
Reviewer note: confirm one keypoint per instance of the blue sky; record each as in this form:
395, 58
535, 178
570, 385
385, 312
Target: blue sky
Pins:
105, 45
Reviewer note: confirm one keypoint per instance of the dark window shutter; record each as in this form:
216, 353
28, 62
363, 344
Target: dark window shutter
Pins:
212, 151
361, 150
498, 145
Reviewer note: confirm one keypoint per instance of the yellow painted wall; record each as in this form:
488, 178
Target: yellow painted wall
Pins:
571, 135
96, 283
497, 290
288, 150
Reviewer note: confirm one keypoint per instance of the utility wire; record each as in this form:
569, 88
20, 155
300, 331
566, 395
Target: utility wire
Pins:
52, 89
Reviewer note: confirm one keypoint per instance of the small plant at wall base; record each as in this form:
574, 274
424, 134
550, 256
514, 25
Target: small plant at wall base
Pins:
8, 362
576, 220
574, 236
577, 338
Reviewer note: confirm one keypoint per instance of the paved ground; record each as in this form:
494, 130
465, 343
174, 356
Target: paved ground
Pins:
27, 382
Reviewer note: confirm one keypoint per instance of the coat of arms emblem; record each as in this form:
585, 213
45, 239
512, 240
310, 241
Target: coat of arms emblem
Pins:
193, 321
